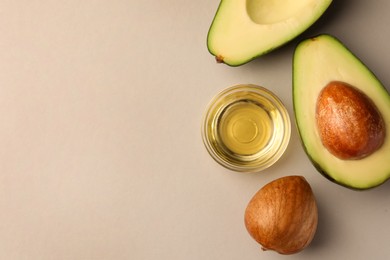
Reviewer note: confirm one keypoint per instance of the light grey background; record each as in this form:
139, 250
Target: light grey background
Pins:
101, 155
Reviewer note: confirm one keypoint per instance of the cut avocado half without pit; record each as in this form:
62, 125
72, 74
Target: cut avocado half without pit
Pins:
342, 113
245, 29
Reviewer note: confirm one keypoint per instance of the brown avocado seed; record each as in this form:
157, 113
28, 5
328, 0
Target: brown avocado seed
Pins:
283, 216
349, 124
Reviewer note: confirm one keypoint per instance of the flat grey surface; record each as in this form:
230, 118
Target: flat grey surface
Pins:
101, 155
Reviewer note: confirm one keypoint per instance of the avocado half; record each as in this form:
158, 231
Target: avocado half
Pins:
317, 62
245, 29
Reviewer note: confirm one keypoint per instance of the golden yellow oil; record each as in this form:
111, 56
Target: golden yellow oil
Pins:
246, 128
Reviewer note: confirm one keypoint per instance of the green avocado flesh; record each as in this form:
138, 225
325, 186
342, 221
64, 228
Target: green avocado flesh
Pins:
317, 62
245, 29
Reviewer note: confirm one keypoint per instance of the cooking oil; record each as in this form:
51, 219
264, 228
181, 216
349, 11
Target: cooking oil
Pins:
246, 128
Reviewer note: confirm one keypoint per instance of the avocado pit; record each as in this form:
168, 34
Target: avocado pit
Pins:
349, 124
283, 216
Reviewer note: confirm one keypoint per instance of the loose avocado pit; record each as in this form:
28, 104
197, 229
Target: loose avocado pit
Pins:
349, 124
283, 216
245, 29
342, 112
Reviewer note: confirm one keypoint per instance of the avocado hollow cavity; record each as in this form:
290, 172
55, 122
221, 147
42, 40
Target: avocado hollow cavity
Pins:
269, 12
349, 124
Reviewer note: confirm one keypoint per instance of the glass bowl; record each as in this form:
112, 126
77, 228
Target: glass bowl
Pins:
246, 128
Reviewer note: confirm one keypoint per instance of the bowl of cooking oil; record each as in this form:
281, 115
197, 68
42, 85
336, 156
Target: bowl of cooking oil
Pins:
246, 128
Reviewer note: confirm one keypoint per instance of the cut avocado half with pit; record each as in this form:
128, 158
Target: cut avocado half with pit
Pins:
245, 29
318, 62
